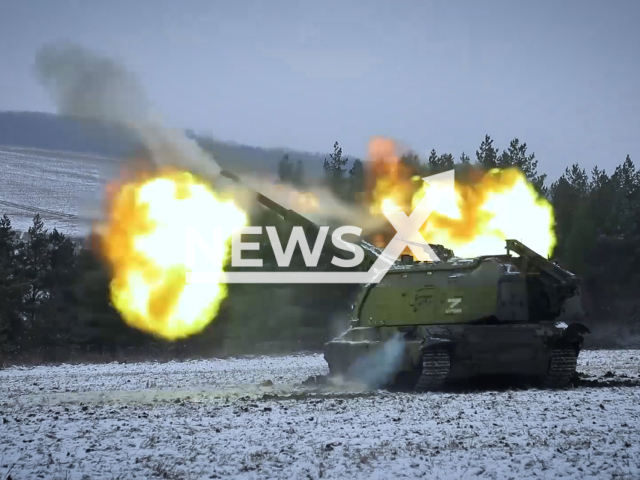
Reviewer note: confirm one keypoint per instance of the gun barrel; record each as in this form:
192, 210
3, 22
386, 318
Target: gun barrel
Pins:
287, 214
295, 218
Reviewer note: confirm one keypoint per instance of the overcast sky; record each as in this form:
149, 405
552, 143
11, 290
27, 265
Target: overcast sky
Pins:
562, 75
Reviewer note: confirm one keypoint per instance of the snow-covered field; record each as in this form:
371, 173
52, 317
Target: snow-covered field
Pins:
223, 418
60, 186
214, 419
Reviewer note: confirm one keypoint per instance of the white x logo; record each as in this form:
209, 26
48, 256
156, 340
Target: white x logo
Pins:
408, 227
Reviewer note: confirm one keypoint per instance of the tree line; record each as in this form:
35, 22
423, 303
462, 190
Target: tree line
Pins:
347, 176
52, 294
597, 213
55, 296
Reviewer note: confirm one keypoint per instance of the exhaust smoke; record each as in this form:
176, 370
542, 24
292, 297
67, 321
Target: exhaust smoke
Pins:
377, 369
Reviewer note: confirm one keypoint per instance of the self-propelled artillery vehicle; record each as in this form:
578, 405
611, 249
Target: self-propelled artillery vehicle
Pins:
464, 318
509, 314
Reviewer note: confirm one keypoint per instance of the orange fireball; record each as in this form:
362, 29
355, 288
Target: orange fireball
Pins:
144, 240
489, 206
501, 205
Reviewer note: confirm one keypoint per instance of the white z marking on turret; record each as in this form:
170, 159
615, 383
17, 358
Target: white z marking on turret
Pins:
453, 303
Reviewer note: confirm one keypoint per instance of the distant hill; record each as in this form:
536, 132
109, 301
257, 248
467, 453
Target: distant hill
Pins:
55, 132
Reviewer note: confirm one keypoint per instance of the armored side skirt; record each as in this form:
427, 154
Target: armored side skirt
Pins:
473, 350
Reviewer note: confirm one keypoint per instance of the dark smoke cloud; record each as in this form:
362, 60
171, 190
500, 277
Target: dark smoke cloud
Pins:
88, 85
85, 84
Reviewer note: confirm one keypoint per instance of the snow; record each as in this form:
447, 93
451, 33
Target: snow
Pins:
212, 419
61, 186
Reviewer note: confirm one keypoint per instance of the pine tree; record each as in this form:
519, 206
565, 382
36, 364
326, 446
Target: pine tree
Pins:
336, 165
580, 241
100, 327
567, 193
35, 267
59, 312
516, 156
285, 169
11, 289
446, 162
356, 176
487, 155
432, 161
410, 164
439, 163
298, 175
334, 168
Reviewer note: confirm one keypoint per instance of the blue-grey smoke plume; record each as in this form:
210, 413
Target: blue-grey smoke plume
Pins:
378, 368
88, 85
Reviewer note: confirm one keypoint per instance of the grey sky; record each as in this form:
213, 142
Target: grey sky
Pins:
561, 75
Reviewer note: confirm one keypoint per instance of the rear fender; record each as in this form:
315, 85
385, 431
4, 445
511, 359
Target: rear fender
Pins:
575, 330
573, 336
438, 337
437, 342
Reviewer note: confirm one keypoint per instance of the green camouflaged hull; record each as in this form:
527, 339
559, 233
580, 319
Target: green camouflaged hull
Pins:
490, 315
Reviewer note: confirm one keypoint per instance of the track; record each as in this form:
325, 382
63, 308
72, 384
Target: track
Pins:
562, 368
435, 368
